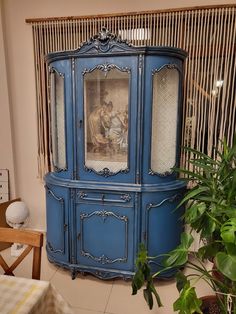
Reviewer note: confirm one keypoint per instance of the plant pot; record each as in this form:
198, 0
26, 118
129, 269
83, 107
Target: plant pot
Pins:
217, 274
210, 305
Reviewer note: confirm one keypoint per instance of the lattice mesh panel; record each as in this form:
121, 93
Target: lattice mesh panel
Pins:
61, 132
164, 120
59, 135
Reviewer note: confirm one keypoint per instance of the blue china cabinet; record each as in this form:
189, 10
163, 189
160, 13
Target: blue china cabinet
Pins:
115, 134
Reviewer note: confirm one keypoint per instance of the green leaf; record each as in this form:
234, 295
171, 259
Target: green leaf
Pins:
228, 231
188, 303
208, 199
148, 297
194, 212
208, 251
137, 281
181, 280
179, 256
192, 176
198, 153
230, 212
142, 254
208, 229
230, 248
143, 276
226, 264
192, 194
203, 164
233, 183
153, 290
143, 271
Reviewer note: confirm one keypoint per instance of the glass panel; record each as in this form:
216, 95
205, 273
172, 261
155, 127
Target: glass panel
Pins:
164, 119
58, 120
106, 98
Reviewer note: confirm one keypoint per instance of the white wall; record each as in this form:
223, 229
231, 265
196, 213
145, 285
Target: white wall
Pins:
6, 148
21, 82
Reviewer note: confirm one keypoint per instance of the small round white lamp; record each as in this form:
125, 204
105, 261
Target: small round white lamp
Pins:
17, 215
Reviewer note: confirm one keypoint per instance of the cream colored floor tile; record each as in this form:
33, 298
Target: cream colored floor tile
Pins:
77, 310
47, 269
122, 302
89, 295
85, 292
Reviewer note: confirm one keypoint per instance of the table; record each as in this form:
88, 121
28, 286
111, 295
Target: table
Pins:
28, 296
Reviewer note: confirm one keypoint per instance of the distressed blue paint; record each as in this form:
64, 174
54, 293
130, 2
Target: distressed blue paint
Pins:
121, 62
63, 67
95, 222
57, 199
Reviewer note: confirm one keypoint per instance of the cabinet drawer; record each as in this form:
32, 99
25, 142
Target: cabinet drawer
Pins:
4, 198
104, 197
3, 187
3, 175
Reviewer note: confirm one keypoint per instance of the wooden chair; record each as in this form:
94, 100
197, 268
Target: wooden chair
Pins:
33, 240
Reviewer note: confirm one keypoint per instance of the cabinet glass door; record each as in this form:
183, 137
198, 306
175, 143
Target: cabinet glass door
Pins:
164, 119
106, 98
161, 149
106, 119
57, 99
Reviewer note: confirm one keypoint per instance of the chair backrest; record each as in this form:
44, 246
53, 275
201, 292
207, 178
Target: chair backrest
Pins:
33, 240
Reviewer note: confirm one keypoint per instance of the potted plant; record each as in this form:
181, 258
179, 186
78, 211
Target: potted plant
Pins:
210, 211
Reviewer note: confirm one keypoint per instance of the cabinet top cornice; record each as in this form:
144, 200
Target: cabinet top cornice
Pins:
106, 43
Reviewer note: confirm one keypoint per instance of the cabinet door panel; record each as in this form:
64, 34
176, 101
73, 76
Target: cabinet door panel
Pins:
162, 223
105, 236
107, 109
163, 106
61, 118
57, 222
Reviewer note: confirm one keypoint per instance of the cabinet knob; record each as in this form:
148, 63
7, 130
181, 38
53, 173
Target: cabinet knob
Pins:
78, 236
145, 236
80, 123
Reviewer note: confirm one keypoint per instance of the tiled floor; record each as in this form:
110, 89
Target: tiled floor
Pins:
88, 295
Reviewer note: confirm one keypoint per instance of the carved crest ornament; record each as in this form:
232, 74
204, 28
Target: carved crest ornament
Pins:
104, 40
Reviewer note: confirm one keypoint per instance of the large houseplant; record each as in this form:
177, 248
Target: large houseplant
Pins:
211, 211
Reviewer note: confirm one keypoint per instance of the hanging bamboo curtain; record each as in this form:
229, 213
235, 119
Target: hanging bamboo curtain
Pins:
207, 34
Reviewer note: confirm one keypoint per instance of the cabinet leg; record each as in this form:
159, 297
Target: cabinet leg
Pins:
73, 274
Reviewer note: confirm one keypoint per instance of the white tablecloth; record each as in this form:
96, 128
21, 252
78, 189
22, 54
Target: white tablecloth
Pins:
28, 296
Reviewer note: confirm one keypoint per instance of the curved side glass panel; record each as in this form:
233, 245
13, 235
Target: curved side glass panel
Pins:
58, 119
164, 120
106, 102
